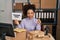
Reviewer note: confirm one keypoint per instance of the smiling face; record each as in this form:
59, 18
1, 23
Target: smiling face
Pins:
30, 13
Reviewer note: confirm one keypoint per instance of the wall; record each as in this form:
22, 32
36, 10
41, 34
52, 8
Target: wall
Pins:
6, 11
58, 27
20, 1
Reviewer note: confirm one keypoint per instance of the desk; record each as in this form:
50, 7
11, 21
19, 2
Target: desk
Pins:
39, 35
10, 38
22, 36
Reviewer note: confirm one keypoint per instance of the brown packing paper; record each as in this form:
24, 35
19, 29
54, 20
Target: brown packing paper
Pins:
19, 30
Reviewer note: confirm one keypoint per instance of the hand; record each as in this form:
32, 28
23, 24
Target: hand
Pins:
39, 21
16, 22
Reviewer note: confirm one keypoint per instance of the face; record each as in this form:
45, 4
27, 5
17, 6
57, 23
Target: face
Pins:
30, 13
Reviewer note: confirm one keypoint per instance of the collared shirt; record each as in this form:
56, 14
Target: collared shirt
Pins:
29, 24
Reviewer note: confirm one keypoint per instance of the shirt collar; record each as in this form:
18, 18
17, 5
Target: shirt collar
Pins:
30, 19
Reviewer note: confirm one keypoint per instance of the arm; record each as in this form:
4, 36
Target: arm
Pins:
21, 25
38, 27
38, 24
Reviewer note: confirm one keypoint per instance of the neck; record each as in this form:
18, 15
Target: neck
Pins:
30, 18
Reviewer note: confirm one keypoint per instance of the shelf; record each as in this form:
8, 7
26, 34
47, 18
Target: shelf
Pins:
46, 16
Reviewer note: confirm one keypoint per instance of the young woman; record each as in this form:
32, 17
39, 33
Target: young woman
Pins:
29, 23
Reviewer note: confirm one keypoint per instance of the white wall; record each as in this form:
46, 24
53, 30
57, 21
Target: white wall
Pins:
21, 1
6, 14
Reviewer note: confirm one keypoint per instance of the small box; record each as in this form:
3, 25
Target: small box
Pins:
35, 35
20, 34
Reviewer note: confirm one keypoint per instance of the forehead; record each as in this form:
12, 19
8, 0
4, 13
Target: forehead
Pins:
30, 10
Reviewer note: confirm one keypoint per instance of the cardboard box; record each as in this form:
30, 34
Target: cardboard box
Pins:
48, 4
38, 35
18, 6
37, 5
32, 35
20, 34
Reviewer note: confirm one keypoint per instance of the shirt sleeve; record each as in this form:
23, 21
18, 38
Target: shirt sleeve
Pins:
38, 27
21, 25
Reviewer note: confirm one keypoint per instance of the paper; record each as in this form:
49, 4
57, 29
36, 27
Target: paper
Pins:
19, 30
17, 16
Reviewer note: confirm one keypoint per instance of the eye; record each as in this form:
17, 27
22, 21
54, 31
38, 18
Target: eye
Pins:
28, 13
32, 12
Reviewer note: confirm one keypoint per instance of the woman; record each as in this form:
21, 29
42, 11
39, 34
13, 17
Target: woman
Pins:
29, 23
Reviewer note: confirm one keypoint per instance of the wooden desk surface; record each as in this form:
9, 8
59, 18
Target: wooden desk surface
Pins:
10, 38
22, 36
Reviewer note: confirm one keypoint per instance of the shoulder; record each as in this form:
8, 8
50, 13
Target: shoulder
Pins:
24, 19
35, 20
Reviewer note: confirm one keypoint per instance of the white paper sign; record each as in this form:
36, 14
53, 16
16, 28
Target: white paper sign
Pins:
17, 16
